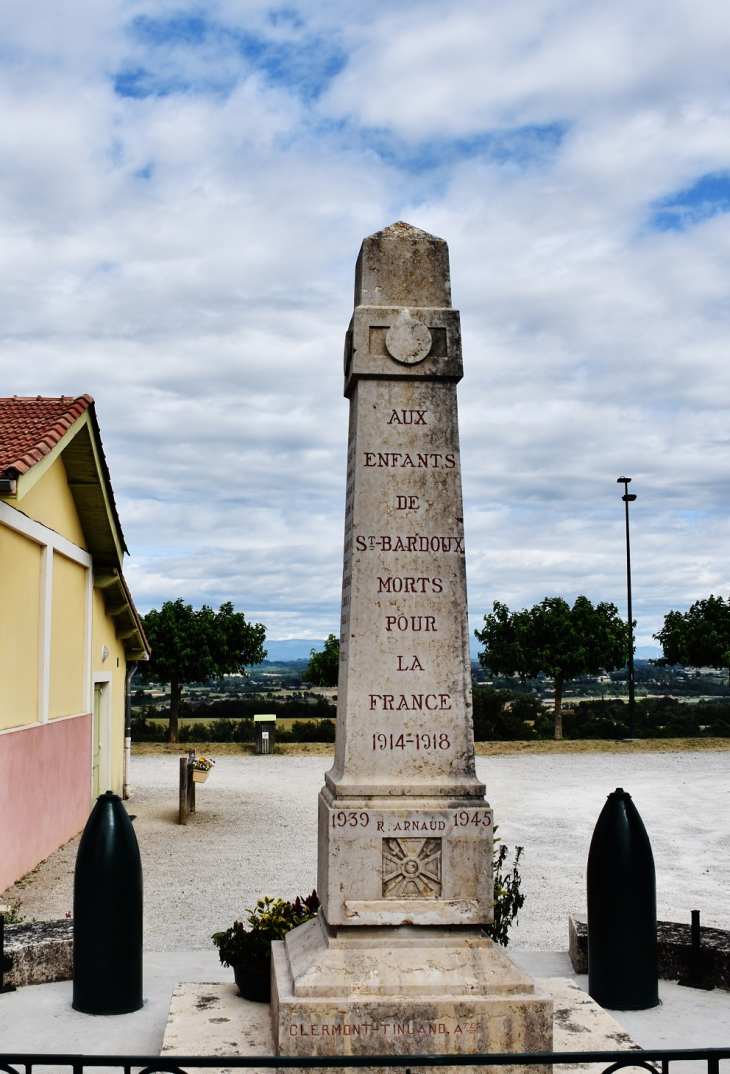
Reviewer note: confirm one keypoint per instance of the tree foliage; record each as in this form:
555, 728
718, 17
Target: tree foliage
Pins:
700, 636
553, 638
324, 668
195, 646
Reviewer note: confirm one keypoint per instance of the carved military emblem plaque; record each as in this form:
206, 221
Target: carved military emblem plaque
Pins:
411, 868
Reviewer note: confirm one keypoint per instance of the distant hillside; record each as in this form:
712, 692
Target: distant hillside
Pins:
648, 652
291, 648
643, 652
301, 648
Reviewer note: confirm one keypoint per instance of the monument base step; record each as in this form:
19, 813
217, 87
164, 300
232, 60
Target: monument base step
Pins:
213, 1019
405, 991
318, 960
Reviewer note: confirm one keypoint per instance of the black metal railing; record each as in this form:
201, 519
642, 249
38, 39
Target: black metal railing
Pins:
656, 1061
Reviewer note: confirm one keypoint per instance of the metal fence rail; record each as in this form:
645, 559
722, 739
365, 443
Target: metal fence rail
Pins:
657, 1061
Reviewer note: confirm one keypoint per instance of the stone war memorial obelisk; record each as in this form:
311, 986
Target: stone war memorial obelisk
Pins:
397, 962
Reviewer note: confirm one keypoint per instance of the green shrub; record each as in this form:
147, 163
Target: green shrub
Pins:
494, 722
319, 731
656, 717
244, 708
269, 921
194, 732
714, 717
508, 897
13, 916
144, 730
596, 719
218, 731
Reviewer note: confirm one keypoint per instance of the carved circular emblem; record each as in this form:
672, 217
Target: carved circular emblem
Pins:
408, 340
411, 867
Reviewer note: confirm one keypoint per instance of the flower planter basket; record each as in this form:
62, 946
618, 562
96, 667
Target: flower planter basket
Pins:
253, 977
199, 776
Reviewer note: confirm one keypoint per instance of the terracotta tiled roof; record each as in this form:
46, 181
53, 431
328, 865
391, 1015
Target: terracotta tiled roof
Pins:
31, 427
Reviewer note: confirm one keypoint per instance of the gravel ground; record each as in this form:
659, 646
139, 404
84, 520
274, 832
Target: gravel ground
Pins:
255, 834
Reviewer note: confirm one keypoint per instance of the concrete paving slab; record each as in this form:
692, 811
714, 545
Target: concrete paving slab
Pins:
213, 1019
40, 1018
580, 1025
685, 1018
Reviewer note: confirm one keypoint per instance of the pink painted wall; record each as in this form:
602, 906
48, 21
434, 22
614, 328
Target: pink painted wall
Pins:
45, 792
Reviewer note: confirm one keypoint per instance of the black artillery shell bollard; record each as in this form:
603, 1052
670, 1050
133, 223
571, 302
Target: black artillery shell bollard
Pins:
622, 929
107, 959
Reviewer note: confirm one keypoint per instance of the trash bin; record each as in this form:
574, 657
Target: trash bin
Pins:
265, 727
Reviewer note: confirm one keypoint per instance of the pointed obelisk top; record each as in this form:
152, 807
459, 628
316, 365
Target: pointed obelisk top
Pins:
403, 266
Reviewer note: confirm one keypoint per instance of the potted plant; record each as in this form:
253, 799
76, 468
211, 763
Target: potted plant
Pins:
248, 951
201, 767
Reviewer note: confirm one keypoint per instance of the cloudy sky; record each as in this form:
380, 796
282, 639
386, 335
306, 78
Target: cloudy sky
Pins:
184, 192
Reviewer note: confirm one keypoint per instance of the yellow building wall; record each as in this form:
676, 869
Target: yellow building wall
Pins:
50, 501
103, 633
66, 687
20, 589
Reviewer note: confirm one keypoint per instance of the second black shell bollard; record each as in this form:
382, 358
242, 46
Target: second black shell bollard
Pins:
108, 913
622, 944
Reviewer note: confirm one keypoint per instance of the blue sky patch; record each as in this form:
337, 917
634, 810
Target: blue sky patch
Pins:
707, 197
140, 83
286, 16
284, 52
692, 517
178, 30
131, 83
305, 65
523, 146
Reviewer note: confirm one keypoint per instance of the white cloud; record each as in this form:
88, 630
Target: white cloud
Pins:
187, 258
471, 67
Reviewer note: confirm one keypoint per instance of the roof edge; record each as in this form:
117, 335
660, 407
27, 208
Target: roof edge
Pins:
137, 617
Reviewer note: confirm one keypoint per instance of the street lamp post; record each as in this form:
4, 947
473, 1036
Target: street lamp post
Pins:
628, 498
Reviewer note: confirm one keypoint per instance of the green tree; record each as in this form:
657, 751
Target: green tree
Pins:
552, 637
323, 668
195, 646
697, 637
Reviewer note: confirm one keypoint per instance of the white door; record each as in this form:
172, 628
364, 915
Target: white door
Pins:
96, 743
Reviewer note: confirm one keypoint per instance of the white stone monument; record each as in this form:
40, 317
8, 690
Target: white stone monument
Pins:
397, 962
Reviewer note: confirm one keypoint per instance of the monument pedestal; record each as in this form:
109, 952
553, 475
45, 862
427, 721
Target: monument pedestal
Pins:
411, 860
405, 991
